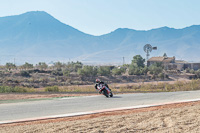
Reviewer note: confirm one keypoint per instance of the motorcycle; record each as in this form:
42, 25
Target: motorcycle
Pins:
103, 89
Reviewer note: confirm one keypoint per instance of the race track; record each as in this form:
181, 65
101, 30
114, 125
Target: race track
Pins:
62, 106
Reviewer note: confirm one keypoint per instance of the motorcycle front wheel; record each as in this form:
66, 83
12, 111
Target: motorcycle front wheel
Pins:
111, 95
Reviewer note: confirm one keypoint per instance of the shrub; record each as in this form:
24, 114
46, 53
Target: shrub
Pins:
87, 71
66, 73
10, 66
135, 70
25, 74
52, 89
74, 66
144, 70
116, 71
104, 70
138, 61
42, 65
198, 73
187, 70
10, 89
27, 66
192, 71
57, 73
58, 65
154, 69
161, 75
77, 65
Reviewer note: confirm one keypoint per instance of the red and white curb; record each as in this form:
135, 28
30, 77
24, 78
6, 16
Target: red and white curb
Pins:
93, 112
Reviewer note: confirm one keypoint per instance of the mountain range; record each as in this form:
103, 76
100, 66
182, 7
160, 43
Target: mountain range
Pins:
37, 36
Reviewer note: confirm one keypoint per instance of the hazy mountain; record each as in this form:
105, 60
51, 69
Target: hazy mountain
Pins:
37, 36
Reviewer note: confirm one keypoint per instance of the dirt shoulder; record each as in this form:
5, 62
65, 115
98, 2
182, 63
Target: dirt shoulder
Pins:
181, 117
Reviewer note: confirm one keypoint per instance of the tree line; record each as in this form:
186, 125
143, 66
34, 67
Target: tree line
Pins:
137, 67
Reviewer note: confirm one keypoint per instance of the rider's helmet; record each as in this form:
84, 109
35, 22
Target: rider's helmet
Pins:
98, 80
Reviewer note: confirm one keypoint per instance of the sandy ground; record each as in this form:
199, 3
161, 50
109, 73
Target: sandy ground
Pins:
180, 118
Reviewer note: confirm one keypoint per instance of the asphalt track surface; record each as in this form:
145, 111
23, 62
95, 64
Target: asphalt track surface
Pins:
13, 112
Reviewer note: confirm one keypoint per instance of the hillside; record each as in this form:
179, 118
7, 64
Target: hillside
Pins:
37, 36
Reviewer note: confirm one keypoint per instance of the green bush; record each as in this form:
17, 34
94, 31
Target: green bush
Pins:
198, 73
161, 75
74, 66
116, 71
104, 70
138, 61
192, 71
10, 89
87, 71
27, 66
42, 65
66, 73
52, 89
135, 70
155, 69
10, 66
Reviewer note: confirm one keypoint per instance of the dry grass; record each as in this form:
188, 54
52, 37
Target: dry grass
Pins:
117, 88
160, 87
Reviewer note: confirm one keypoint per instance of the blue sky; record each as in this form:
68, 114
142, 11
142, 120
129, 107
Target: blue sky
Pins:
99, 17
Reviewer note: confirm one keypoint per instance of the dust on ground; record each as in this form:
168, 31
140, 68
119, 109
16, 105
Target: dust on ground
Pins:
181, 117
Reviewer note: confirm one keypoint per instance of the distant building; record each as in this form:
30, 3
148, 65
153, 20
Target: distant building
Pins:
194, 66
171, 64
182, 65
164, 60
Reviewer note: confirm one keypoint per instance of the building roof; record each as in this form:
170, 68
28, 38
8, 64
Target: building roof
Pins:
162, 59
180, 61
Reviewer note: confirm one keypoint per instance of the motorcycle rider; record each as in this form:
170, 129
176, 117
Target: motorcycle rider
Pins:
100, 83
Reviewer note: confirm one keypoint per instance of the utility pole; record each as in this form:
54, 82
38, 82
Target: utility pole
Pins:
123, 60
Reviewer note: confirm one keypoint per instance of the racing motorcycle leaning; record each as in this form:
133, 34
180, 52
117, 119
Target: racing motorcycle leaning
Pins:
103, 89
